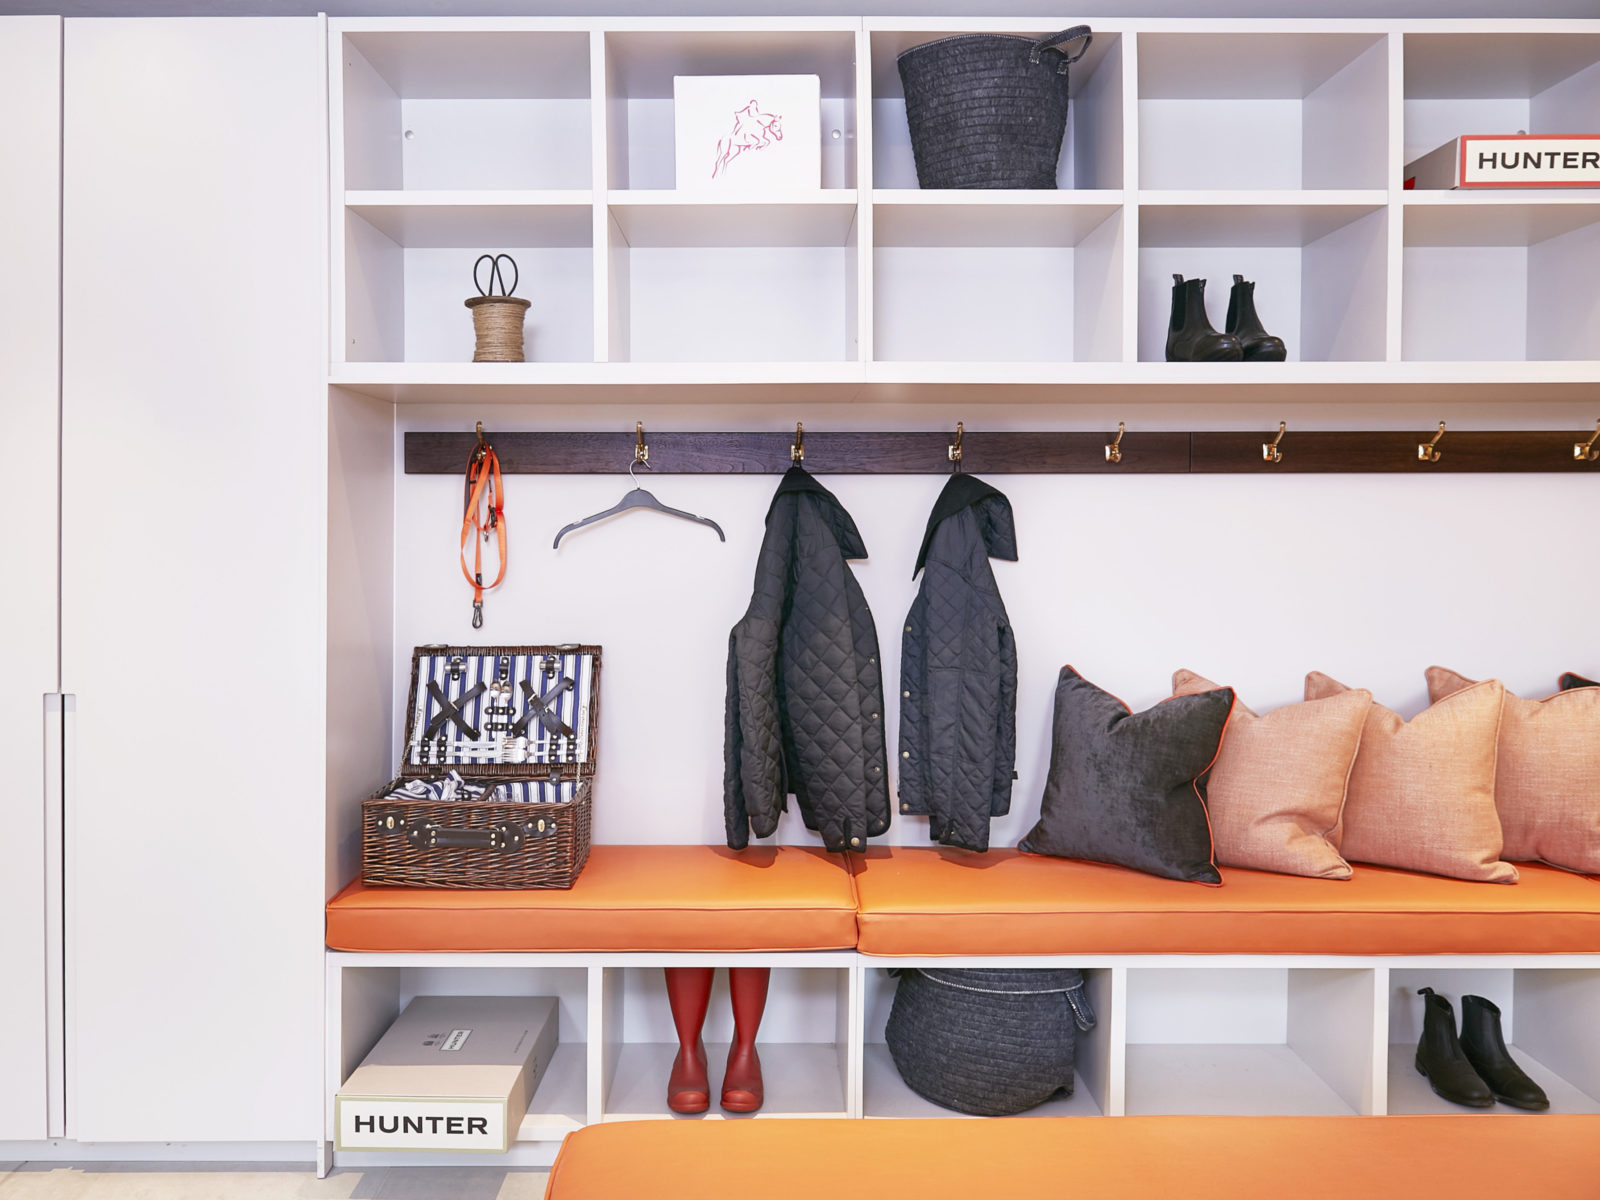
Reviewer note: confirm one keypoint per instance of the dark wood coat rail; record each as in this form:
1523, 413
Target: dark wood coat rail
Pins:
1001, 453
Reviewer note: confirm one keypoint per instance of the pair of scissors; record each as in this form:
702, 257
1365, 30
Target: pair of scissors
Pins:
496, 279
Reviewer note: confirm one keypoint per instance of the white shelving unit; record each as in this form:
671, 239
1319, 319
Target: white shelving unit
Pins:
552, 140
1175, 1034
1270, 149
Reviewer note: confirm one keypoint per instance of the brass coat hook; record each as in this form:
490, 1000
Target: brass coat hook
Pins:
1271, 451
482, 447
1585, 451
797, 451
955, 450
1429, 452
641, 452
1114, 446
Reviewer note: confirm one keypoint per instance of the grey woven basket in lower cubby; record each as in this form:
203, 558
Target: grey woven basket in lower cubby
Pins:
988, 1042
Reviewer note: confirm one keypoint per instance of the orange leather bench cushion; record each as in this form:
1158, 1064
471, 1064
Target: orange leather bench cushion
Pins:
1237, 1158
703, 898
923, 901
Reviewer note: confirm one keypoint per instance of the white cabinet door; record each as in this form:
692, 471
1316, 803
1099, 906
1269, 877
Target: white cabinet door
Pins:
194, 441
30, 384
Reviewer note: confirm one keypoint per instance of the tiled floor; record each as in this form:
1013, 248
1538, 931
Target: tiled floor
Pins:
166, 1181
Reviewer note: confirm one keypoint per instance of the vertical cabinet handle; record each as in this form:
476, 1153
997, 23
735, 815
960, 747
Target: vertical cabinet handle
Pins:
60, 712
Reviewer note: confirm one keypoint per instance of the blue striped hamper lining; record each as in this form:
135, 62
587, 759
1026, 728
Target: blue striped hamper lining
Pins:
464, 736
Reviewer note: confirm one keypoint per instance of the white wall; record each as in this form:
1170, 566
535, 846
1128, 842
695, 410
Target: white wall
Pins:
1252, 581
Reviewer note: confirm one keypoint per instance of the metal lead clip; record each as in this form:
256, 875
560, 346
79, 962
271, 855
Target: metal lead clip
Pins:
477, 614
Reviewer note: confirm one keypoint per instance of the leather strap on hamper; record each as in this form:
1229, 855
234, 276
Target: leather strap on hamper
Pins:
451, 711
485, 494
1053, 42
538, 709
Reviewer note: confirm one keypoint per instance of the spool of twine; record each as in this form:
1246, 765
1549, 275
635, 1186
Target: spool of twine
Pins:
497, 320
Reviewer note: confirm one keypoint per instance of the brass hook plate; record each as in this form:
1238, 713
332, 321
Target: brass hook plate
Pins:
797, 451
641, 452
1429, 452
1114, 447
1270, 451
1585, 451
954, 451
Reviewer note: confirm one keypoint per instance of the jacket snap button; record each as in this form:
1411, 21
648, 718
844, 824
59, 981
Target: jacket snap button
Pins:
908, 629
871, 661
905, 754
877, 770
907, 695
855, 841
904, 807
874, 716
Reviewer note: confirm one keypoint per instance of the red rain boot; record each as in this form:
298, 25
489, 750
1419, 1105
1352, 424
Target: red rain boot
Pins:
741, 1084
689, 992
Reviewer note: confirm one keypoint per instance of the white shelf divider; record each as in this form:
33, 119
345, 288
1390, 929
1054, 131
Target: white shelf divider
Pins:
600, 174
689, 219
1249, 218
469, 219
559, 1105
989, 219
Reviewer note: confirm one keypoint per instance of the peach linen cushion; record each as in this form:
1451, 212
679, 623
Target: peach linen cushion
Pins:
1547, 777
1278, 785
1422, 791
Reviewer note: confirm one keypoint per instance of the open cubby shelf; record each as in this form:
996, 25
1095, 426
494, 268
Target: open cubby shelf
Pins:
1238, 1035
553, 140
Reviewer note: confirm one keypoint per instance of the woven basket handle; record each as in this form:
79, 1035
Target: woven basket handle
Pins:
1082, 1011
1036, 55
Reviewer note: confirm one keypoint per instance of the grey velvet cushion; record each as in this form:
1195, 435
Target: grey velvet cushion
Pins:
1126, 787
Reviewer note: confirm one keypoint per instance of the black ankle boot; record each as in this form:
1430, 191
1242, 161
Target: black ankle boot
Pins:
1190, 337
1257, 344
1485, 1048
1440, 1059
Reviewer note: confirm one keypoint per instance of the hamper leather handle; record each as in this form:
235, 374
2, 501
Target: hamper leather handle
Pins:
1052, 42
506, 837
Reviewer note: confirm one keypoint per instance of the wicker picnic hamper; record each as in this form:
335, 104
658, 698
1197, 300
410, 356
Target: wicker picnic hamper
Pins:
989, 1042
514, 729
988, 110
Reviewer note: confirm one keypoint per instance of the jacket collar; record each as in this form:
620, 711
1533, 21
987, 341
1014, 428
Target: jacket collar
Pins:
797, 481
995, 523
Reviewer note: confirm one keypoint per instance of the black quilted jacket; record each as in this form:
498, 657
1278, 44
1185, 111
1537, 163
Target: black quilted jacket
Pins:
958, 671
805, 689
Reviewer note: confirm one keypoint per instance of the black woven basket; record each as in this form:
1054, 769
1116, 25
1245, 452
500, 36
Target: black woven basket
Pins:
988, 1042
988, 110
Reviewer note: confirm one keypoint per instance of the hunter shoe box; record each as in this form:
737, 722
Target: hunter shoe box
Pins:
1509, 160
454, 1073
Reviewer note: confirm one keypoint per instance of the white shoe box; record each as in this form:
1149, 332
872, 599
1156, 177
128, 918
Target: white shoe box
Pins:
1505, 160
453, 1073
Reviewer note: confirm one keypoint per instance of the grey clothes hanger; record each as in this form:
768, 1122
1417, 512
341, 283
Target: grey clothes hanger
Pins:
638, 498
